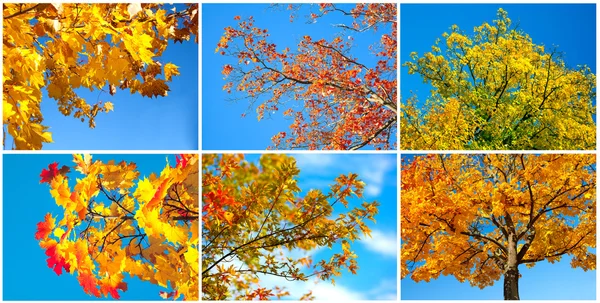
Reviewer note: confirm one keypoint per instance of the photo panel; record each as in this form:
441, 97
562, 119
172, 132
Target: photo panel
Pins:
299, 226
498, 226
99, 76
104, 226
498, 76
299, 76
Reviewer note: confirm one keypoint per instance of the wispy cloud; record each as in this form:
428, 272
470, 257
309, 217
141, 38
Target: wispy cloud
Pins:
374, 173
383, 243
321, 290
386, 290
314, 161
372, 169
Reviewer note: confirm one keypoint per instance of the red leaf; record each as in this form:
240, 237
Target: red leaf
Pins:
89, 283
48, 175
56, 261
45, 227
181, 161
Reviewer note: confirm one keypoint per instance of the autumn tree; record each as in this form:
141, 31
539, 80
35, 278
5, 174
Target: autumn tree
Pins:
333, 99
116, 222
62, 48
496, 89
253, 214
478, 217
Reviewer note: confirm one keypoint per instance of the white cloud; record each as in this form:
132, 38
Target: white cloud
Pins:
322, 291
371, 169
374, 172
314, 161
386, 290
381, 243
327, 292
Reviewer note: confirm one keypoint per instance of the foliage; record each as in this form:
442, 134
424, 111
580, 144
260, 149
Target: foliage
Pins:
65, 47
115, 222
252, 215
478, 216
496, 89
335, 100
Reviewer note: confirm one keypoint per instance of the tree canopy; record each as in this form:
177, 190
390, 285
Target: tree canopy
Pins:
61, 48
115, 222
497, 89
478, 217
334, 99
254, 215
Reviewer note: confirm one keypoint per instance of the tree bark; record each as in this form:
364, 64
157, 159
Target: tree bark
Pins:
511, 272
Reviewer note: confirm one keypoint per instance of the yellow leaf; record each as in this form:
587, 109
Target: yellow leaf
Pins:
171, 70
228, 216
345, 246
7, 111
108, 106
191, 256
59, 232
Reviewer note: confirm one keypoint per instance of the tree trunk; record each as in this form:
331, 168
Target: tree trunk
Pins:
511, 284
511, 272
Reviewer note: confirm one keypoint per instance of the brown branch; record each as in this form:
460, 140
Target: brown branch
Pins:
373, 136
25, 11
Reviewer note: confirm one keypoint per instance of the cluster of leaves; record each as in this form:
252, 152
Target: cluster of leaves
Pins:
497, 90
252, 215
108, 228
64, 47
344, 104
470, 216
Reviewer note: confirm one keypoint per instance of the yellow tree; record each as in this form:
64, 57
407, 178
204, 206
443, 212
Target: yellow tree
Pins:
115, 222
496, 89
252, 215
61, 48
478, 217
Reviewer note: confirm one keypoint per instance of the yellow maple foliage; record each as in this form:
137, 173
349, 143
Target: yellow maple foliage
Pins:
65, 47
254, 213
478, 217
109, 228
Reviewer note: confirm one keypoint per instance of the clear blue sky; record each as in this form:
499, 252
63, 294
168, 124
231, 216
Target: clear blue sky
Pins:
137, 123
544, 281
25, 274
570, 27
223, 127
377, 259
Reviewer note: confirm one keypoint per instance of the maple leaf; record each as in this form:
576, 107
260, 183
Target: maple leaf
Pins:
102, 207
272, 209
45, 227
181, 160
89, 283
48, 174
55, 260
452, 203
322, 77
108, 106
122, 63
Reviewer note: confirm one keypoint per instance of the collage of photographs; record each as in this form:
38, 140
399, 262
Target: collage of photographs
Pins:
349, 151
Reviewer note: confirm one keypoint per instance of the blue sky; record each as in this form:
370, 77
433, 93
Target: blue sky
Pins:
570, 27
223, 127
25, 203
137, 123
544, 281
377, 257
